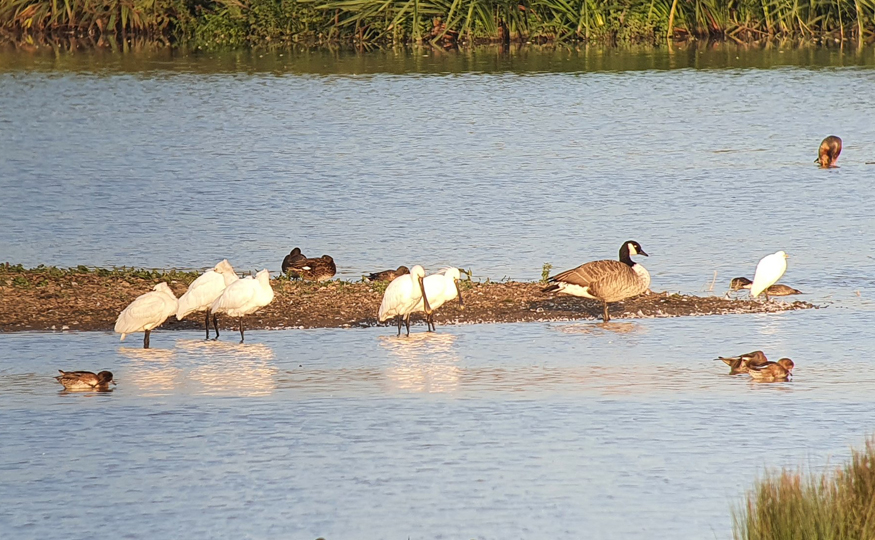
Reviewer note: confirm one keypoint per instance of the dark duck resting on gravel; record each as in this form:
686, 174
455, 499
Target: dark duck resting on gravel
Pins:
775, 290
317, 269
85, 380
292, 261
606, 280
388, 275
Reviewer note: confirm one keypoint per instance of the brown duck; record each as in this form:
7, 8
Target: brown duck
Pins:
775, 290
292, 261
829, 151
85, 380
317, 269
742, 363
388, 275
773, 371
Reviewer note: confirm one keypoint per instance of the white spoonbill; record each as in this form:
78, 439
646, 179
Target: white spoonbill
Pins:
769, 270
440, 288
203, 292
147, 312
402, 296
245, 296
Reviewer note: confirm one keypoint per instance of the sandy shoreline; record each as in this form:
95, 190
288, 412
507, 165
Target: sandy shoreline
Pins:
69, 300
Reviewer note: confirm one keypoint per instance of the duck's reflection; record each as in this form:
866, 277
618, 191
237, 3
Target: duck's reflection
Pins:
230, 369
423, 362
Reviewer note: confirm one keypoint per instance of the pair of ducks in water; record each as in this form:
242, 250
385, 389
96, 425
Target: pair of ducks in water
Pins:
759, 367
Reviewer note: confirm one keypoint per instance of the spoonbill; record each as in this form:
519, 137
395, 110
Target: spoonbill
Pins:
606, 280
440, 288
203, 292
402, 296
769, 270
147, 312
245, 296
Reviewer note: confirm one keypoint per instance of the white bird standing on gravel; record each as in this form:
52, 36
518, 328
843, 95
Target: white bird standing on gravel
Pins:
769, 270
439, 289
245, 296
147, 312
204, 291
402, 296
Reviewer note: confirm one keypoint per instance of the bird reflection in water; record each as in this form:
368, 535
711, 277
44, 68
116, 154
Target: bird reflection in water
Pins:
601, 329
230, 369
151, 370
423, 362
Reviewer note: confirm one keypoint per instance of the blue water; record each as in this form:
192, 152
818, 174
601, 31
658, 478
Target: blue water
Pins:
629, 430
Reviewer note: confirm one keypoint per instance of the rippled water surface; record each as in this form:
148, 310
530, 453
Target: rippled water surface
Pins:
493, 161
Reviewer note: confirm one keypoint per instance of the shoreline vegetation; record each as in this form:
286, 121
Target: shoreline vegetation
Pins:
837, 503
447, 23
82, 298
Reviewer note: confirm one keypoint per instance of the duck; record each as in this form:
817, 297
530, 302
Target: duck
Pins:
828, 153
203, 292
147, 312
773, 371
388, 275
743, 362
769, 270
402, 297
85, 380
317, 269
605, 280
245, 296
773, 290
292, 261
439, 289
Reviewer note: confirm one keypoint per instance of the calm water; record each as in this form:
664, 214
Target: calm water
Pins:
495, 162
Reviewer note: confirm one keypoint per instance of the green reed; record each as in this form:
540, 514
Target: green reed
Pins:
837, 505
242, 22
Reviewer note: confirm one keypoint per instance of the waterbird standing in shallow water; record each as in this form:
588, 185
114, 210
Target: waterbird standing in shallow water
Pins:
388, 275
245, 296
147, 312
439, 289
402, 297
85, 380
769, 270
605, 280
203, 292
773, 371
292, 262
828, 153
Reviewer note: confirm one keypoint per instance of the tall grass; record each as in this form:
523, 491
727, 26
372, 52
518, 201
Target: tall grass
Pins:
837, 505
240, 22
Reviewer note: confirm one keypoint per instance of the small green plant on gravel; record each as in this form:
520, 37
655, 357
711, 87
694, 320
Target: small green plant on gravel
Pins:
545, 272
21, 282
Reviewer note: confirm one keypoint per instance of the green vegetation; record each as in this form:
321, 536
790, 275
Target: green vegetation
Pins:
833, 506
545, 272
210, 23
18, 270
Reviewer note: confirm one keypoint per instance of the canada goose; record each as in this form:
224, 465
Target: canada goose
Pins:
245, 296
439, 289
292, 262
85, 380
773, 371
605, 280
769, 270
741, 363
203, 292
318, 269
402, 297
829, 151
388, 275
774, 290
147, 312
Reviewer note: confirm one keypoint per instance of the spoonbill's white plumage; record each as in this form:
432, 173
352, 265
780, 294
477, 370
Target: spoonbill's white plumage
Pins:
147, 312
204, 291
402, 296
245, 296
769, 270
440, 288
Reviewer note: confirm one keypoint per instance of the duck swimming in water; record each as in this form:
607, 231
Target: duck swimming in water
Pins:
743, 362
85, 380
773, 371
828, 153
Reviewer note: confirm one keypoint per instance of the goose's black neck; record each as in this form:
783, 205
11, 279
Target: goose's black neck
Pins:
624, 255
